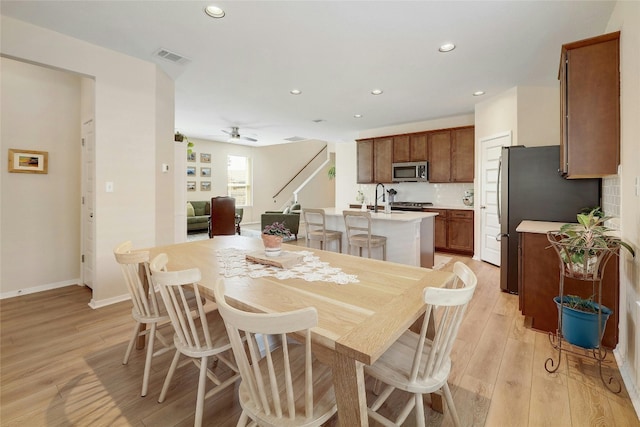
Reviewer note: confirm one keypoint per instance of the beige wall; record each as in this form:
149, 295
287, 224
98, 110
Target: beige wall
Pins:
131, 105
626, 18
40, 213
538, 115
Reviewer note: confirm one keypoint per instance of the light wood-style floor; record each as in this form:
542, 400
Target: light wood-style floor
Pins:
61, 365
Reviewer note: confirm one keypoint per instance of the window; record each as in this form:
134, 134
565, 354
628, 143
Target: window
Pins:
239, 179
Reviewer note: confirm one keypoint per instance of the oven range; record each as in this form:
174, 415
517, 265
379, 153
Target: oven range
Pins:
410, 206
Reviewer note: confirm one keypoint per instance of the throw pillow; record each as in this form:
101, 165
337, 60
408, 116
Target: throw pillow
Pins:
190, 210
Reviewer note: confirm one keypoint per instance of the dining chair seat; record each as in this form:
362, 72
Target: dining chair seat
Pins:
419, 364
358, 233
316, 230
199, 334
283, 383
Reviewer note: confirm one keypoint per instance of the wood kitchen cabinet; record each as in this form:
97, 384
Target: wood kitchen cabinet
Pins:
453, 230
382, 159
539, 280
451, 155
590, 107
410, 148
462, 154
365, 161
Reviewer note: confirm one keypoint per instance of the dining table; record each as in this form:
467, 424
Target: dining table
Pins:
363, 304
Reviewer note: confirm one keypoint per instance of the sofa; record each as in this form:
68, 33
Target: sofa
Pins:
198, 213
289, 216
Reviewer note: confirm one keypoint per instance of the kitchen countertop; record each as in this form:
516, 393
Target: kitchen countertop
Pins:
457, 207
401, 216
539, 227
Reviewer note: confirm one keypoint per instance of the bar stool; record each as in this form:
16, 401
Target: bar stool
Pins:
360, 236
315, 228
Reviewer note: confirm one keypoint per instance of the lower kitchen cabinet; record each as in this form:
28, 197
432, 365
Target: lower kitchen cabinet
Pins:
538, 284
454, 230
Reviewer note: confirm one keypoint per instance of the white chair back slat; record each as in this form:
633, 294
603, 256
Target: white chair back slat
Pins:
281, 392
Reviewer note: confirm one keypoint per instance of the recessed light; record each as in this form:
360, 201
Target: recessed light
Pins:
478, 93
447, 47
376, 92
295, 91
357, 116
214, 11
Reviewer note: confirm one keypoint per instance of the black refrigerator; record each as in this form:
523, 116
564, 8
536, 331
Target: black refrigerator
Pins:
531, 188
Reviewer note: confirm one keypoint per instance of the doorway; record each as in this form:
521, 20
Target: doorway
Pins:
490, 151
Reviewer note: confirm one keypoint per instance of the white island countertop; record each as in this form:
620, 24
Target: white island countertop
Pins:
410, 234
403, 216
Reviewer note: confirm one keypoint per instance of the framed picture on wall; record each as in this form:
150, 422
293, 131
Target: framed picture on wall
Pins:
191, 157
191, 186
205, 158
205, 171
191, 171
28, 161
205, 185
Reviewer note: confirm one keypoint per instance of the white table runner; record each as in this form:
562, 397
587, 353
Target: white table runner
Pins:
233, 263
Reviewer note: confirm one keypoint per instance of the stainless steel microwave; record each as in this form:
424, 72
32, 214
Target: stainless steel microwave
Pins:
410, 172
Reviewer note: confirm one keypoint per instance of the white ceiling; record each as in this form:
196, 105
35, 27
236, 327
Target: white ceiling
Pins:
241, 67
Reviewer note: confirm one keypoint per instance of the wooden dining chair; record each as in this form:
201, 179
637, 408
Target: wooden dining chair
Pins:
316, 230
287, 386
147, 309
419, 365
199, 335
222, 221
358, 230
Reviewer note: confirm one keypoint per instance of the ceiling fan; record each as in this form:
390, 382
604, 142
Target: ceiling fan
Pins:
234, 135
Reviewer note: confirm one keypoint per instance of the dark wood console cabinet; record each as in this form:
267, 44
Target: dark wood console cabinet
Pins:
538, 284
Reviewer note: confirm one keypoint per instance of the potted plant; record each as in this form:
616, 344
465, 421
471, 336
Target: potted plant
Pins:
584, 249
272, 237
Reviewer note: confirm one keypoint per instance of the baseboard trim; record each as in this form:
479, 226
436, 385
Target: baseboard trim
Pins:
41, 288
627, 377
105, 302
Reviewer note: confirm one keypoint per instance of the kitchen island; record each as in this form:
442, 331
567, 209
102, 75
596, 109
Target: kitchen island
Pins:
410, 235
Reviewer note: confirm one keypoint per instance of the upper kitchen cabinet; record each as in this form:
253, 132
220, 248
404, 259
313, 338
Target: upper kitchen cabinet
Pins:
590, 107
451, 155
382, 159
410, 148
462, 154
365, 161
440, 156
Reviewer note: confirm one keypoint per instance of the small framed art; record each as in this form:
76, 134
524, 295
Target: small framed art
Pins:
191, 157
28, 161
191, 186
205, 185
205, 158
205, 171
191, 171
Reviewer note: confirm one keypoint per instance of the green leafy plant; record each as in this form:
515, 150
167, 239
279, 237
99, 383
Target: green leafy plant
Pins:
589, 235
277, 229
178, 137
331, 173
575, 302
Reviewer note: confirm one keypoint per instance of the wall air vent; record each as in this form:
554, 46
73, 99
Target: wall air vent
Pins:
295, 139
171, 56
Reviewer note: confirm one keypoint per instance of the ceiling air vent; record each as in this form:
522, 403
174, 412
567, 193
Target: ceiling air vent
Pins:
171, 56
295, 139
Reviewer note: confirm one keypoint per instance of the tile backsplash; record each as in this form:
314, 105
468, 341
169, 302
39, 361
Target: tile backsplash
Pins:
438, 194
611, 195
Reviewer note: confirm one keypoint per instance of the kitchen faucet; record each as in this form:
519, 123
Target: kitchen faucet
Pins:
375, 204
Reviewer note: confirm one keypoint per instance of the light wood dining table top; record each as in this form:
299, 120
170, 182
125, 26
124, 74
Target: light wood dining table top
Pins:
357, 321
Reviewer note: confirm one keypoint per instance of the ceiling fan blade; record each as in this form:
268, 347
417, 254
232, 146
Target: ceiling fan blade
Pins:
226, 131
248, 139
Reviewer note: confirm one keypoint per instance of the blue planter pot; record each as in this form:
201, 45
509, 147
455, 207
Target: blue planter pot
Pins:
581, 328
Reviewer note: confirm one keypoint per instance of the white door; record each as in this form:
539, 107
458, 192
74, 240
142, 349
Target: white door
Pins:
491, 148
88, 198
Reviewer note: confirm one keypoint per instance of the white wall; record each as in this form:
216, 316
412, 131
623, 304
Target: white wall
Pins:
131, 99
626, 18
40, 213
